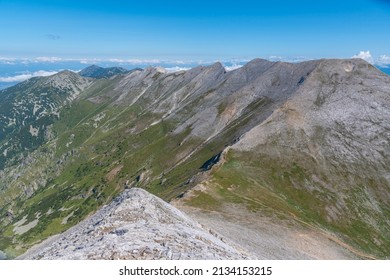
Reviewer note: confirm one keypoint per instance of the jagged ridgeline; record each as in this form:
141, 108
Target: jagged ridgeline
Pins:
306, 141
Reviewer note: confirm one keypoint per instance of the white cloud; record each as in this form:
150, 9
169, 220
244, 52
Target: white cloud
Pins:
87, 60
233, 67
383, 60
23, 77
116, 60
366, 55
83, 60
179, 62
52, 59
233, 61
7, 61
275, 58
296, 59
176, 69
135, 61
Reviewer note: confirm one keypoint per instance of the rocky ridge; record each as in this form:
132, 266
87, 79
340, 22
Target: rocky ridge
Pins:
136, 225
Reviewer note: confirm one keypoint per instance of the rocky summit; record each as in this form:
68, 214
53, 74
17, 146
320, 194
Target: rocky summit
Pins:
136, 225
279, 160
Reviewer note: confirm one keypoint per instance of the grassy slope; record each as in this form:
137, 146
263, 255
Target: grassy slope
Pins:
277, 188
99, 150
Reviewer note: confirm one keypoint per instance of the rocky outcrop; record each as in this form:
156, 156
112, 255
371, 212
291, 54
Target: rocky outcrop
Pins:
136, 225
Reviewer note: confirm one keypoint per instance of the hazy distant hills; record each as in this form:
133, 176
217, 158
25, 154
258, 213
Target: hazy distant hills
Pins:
296, 156
97, 72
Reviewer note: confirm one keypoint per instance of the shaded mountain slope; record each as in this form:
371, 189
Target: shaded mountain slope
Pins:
28, 110
98, 72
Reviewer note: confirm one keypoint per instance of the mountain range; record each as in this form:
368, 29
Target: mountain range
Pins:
98, 72
282, 160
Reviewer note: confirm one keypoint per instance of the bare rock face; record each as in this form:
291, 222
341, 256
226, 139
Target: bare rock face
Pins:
136, 225
327, 148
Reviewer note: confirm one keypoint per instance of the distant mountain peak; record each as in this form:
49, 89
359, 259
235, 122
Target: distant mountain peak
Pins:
98, 72
93, 66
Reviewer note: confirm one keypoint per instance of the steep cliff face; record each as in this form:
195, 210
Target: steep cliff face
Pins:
306, 144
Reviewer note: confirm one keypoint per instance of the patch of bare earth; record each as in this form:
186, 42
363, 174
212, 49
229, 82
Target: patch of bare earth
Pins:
262, 236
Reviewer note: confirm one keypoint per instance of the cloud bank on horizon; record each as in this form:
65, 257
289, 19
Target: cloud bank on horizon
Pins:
170, 65
366, 55
26, 76
381, 60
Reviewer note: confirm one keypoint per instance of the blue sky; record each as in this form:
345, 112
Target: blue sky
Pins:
194, 30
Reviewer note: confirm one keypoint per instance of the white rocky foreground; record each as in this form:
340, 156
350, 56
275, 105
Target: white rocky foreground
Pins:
136, 225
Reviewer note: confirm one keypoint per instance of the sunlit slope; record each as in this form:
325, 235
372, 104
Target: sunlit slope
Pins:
322, 159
